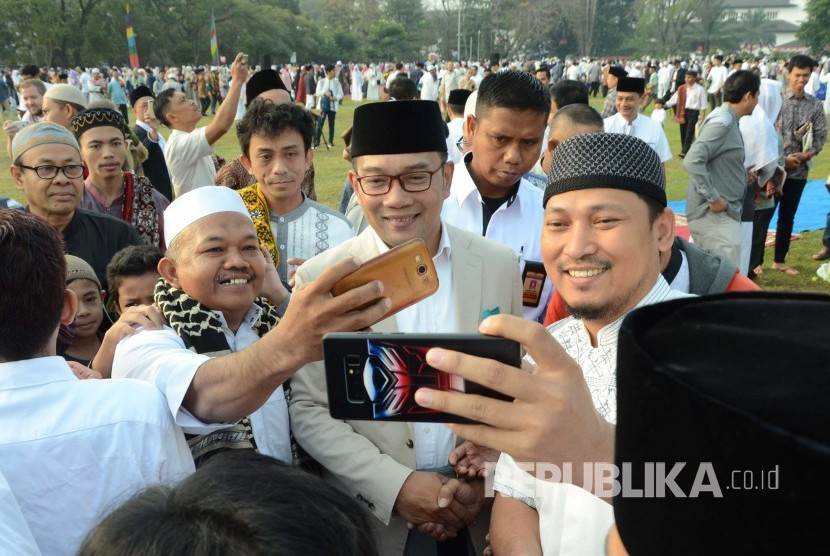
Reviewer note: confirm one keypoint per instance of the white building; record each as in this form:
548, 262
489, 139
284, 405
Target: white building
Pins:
786, 17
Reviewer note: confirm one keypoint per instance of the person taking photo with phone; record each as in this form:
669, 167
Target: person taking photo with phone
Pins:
395, 469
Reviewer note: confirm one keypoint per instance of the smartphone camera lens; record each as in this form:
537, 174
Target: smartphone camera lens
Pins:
422, 269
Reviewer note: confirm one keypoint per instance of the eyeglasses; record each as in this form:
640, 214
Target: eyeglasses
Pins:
48, 171
413, 182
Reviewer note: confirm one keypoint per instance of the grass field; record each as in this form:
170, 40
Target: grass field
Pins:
331, 169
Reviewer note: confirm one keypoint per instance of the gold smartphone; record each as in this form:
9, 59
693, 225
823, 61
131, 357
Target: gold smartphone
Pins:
151, 108
406, 271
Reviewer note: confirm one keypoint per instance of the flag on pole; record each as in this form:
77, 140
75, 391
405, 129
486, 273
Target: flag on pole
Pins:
131, 40
214, 46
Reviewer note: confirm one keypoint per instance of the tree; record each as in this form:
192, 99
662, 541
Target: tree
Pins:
814, 30
662, 24
614, 24
709, 19
757, 30
385, 40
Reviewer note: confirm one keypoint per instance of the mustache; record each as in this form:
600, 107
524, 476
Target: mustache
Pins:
584, 261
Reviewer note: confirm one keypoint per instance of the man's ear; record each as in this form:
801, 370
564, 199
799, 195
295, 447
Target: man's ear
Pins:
470, 125
167, 269
17, 176
449, 168
309, 157
70, 307
353, 180
664, 228
246, 162
552, 144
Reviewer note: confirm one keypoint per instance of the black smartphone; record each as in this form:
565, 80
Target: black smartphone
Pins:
374, 376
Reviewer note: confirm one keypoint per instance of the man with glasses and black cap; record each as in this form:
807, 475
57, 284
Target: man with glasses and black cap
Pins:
48, 169
395, 469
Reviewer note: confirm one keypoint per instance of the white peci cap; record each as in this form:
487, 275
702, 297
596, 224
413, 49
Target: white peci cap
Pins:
197, 204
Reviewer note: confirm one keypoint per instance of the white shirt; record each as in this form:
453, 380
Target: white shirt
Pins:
435, 314
717, 77
189, 160
15, 536
456, 129
659, 116
517, 225
643, 128
427, 86
336, 92
695, 97
306, 231
161, 358
391, 77
73, 449
571, 519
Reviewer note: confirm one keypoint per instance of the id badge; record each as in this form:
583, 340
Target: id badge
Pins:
533, 280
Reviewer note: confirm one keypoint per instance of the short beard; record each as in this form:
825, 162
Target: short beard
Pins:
594, 312
610, 311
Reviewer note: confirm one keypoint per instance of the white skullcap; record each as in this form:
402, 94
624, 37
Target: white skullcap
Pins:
198, 203
470, 105
66, 93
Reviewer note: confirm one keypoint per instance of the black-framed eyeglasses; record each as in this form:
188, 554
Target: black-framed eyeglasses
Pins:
49, 171
413, 182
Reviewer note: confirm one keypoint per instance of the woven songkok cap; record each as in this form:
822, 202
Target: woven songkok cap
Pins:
97, 117
611, 160
42, 133
79, 269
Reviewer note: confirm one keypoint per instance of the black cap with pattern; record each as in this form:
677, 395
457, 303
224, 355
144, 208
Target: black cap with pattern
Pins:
611, 160
97, 117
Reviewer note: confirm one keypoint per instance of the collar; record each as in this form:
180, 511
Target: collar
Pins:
444, 246
143, 126
626, 122
292, 214
609, 333
99, 197
466, 186
249, 320
34, 372
790, 95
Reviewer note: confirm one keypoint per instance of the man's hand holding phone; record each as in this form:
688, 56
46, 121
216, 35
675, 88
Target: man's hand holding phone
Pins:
552, 419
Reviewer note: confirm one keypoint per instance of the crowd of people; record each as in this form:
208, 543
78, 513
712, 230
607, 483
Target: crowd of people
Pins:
162, 322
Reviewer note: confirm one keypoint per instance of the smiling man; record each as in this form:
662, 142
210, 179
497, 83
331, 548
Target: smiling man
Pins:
605, 224
397, 469
277, 152
489, 195
629, 121
109, 190
222, 362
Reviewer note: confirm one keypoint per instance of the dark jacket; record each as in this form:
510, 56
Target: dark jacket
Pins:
155, 167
